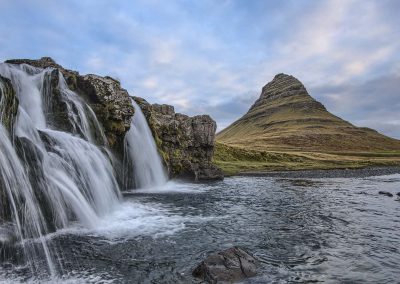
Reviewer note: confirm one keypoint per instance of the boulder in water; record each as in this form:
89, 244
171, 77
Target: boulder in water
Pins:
388, 194
231, 265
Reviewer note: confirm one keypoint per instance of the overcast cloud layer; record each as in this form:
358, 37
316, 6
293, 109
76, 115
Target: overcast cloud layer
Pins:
214, 56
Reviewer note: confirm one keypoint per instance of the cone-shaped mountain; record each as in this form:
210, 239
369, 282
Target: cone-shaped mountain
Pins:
286, 117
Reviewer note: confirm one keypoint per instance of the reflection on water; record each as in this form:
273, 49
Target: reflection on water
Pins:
301, 230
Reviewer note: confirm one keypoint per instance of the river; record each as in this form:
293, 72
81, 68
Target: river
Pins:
331, 230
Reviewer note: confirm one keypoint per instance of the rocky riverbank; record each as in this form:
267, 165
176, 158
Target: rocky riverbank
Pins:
331, 173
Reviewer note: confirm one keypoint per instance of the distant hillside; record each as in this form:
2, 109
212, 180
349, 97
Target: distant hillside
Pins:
288, 129
286, 117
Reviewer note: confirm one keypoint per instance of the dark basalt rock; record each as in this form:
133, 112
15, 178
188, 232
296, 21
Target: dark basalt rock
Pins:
8, 104
56, 109
388, 194
185, 143
111, 104
228, 266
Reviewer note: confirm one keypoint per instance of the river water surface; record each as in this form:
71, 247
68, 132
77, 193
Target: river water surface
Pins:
333, 230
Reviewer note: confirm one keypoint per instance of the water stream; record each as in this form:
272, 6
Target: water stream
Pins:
335, 230
142, 152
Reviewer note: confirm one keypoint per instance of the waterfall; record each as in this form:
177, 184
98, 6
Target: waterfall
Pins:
55, 167
142, 151
59, 177
20, 204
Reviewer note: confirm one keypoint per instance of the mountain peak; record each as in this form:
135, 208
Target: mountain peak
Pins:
285, 116
285, 90
282, 85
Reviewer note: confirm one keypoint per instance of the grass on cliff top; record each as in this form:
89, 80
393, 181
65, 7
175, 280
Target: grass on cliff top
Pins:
232, 160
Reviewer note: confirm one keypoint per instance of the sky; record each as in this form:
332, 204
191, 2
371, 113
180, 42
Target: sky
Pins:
213, 57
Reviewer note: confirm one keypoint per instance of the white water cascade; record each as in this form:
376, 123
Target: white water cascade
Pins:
142, 151
26, 217
70, 178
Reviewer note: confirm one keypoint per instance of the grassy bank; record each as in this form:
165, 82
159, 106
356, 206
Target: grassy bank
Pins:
233, 159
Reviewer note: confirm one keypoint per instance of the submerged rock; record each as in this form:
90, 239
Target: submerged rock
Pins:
228, 266
386, 193
186, 143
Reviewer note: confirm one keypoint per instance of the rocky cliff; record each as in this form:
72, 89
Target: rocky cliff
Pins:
186, 143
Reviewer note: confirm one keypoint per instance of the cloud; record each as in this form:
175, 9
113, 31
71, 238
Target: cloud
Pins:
374, 103
214, 56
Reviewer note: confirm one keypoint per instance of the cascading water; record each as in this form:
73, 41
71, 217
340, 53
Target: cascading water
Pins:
141, 149
19, 206
69, 179
55, 168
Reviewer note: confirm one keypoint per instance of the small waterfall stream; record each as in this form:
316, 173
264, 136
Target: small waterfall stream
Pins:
142, 151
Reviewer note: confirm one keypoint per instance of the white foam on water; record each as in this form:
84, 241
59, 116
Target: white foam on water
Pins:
134, 219
171, 187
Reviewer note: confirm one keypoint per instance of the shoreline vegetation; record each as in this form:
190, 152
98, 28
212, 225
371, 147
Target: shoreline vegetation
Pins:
235, 160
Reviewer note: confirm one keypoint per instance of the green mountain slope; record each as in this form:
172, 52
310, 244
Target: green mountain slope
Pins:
288, 129
286, 117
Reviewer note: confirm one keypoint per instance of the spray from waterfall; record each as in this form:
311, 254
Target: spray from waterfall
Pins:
141, 150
